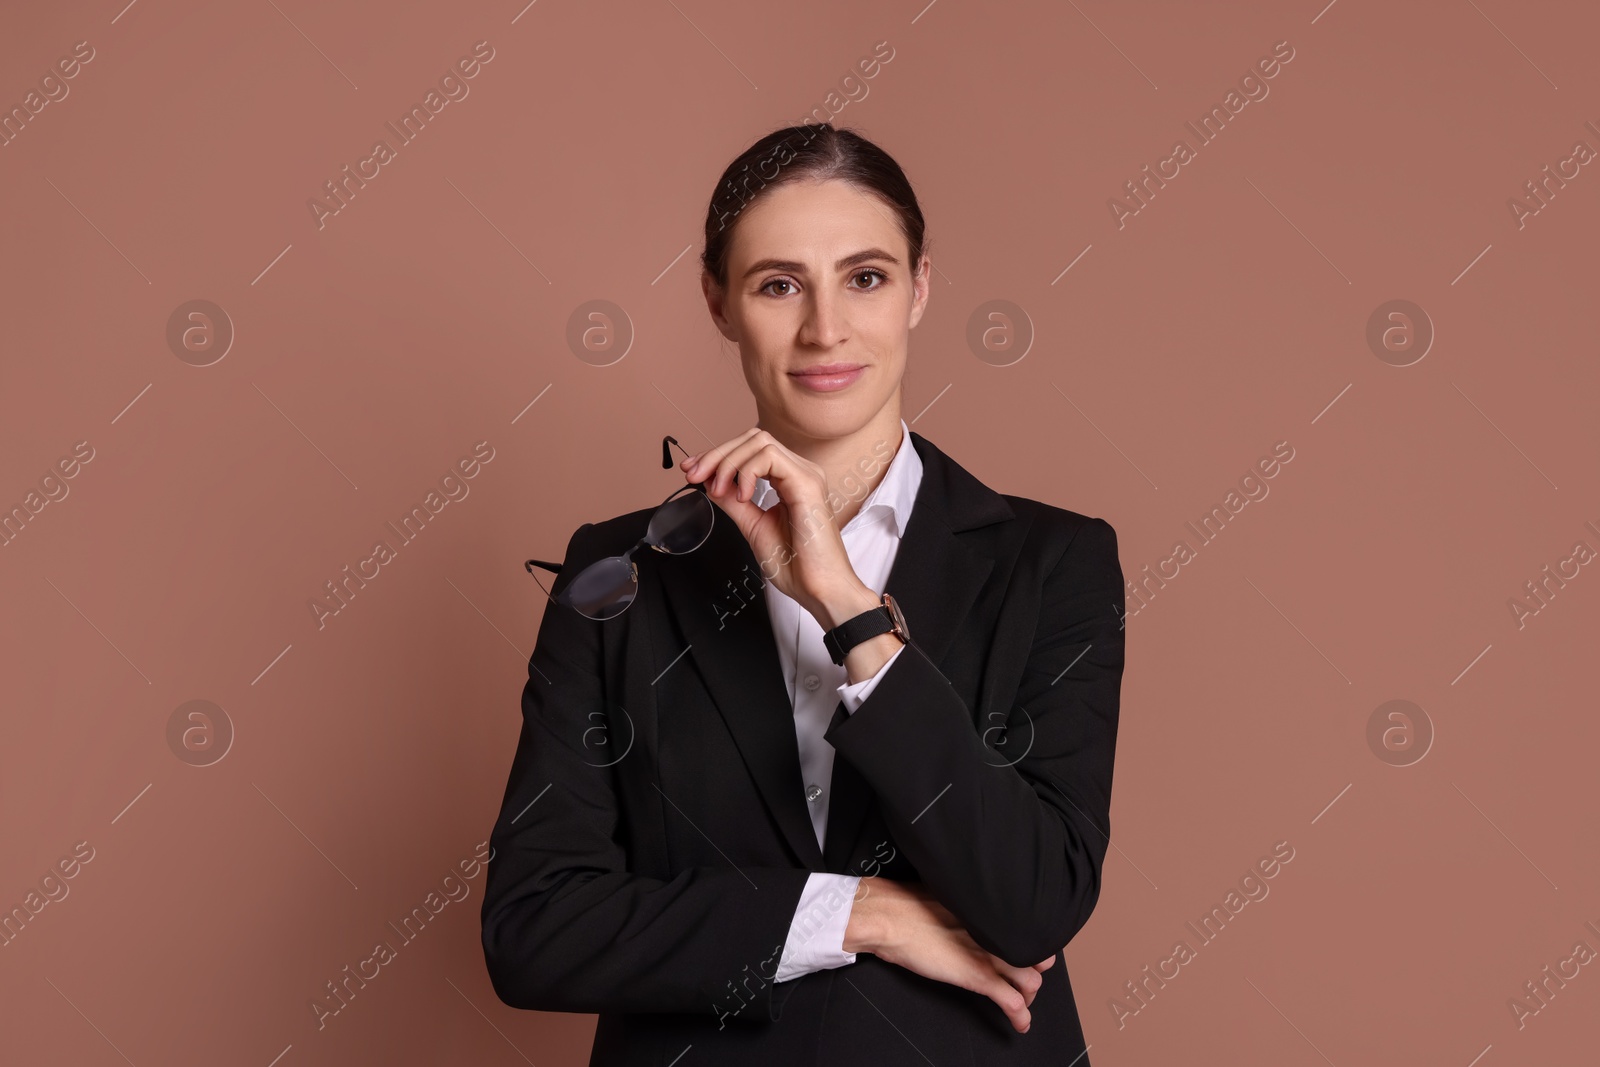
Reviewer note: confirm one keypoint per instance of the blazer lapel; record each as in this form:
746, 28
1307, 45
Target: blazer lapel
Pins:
716, 596
935, 578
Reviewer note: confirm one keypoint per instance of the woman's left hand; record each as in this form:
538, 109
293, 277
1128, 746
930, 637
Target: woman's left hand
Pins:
796, 540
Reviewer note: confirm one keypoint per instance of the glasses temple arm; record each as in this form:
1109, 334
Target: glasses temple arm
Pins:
555, 567
666, 451
666, 458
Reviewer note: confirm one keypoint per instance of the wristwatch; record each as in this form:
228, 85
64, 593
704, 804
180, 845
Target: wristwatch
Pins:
885, 618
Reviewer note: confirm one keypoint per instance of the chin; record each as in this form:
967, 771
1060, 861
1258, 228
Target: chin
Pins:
824, 419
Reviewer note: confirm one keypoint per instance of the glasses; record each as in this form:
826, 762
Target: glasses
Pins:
605, 588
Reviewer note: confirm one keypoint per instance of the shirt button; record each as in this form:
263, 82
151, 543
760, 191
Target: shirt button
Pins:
812, 681
813, 792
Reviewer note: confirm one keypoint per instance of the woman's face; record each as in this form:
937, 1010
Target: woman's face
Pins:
818, 277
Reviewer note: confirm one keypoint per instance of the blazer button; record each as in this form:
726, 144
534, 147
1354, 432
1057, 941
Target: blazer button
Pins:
812, 681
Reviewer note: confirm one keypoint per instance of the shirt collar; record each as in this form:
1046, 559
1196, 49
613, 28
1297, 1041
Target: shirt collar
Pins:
896, 493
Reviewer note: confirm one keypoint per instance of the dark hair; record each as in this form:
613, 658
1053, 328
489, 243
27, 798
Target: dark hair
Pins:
813, 151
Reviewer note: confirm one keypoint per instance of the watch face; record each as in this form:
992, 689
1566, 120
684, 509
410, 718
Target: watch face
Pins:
899, 619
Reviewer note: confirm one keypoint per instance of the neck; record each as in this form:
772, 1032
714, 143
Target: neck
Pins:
854, 464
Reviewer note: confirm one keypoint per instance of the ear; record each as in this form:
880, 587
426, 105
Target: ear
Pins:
920, 290
716, 305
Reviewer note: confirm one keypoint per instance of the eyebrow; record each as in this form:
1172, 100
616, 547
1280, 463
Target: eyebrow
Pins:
800, 268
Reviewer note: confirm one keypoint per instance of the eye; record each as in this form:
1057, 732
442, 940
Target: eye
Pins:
872, 272
776, 281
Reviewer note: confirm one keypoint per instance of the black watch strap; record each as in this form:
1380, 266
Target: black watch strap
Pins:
883, 619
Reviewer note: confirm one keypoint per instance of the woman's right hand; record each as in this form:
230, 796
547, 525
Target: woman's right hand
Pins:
902, 923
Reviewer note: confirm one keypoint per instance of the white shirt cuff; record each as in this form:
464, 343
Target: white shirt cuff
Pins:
854, 694
816, 936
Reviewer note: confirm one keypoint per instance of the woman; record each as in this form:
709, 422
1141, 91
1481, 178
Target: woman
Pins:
770, 814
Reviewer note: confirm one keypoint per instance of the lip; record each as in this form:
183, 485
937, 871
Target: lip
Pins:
828, 377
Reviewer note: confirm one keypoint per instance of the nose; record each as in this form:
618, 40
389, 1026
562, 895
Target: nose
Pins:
827, 321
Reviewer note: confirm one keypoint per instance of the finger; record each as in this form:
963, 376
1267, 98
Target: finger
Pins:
1025, 980
1009, 1001
746, 515
716, 462
738, 460
1045, 965
795, 483
700, 467
762, 457
1022, 981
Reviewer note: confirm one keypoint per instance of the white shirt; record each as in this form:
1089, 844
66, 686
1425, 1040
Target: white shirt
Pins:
816, 685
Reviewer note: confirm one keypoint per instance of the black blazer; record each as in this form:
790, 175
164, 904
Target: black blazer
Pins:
654, 839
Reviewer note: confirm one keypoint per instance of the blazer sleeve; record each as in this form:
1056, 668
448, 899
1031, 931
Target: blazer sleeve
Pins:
1012, 846
566, 925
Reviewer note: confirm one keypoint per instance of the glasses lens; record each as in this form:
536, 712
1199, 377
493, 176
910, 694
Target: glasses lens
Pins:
683, 523
603, 589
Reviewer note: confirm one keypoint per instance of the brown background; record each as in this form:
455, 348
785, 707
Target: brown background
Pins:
369, 754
